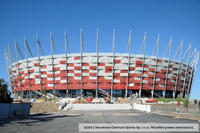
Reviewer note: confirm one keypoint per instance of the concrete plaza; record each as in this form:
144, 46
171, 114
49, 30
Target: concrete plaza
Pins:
68, 121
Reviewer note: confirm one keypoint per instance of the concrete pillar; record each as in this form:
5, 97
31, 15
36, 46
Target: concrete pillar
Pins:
152, 92
140, 93
174, 94
163, 94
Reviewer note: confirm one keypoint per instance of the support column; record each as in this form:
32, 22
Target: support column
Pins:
97, 69
168, 62
163, 93
142, 76
174, 94
66, 62
155, 51
194, 67
152, 93
190, 81
25, 43
183, 88
53, 76
142, 53
81, 43
39, 46
128, 50
11, 62
154, 77
18, 73
188, 51
113, 51
52, 60
41, 85
166, 79
176, 84
179, 49
195, 51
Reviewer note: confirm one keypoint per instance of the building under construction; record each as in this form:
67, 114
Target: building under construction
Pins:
119, 74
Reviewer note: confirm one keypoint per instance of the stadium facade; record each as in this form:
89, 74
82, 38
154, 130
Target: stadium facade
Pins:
120, 74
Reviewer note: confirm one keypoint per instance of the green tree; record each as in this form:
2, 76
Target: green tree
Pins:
4, 94
178, 98
186, 103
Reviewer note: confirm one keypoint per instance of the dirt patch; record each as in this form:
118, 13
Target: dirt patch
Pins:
123, 100
46, 107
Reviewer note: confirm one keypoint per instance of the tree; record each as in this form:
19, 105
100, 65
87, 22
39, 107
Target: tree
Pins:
178, 103
4, 94
186, 103
178, 98
44, 93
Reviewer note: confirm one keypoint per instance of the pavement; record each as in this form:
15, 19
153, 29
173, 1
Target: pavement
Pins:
68, 121
193, 116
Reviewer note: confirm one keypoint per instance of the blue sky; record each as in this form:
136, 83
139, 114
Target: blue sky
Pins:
177, 18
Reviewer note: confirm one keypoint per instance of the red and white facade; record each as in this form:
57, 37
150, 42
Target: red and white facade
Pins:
109, 71
119, 72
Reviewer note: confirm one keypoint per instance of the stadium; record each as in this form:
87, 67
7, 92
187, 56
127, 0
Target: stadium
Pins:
87, 74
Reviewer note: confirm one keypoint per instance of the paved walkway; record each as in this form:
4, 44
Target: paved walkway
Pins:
194, 116
68, 121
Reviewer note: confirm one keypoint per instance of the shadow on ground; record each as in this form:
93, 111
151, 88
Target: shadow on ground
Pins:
35, 118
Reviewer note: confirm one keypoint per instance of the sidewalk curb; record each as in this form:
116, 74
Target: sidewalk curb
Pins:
179, 115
